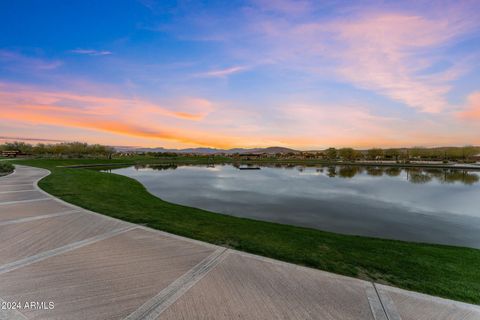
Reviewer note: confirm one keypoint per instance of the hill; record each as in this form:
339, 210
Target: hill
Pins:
270, 150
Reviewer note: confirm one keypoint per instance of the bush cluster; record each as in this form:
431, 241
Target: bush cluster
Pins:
6, 167
66, 149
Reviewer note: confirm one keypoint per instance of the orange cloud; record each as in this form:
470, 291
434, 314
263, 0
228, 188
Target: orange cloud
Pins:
133, 117
296, 125
78, 120
101, 105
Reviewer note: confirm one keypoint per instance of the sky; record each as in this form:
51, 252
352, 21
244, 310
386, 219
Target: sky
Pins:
300, 74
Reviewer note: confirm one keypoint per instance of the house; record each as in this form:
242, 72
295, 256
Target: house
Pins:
12, 153
475, 157
250, 156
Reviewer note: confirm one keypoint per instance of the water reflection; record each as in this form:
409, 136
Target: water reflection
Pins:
156, 166
412, 174
349, 171
416, 204
393, 171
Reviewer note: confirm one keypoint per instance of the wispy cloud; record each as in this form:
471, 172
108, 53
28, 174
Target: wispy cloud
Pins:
222, 73
91, 52
133, 117
198, 121
9, 138
313, 73
387, 52
31, 98
383, 49
384, 52
16, 60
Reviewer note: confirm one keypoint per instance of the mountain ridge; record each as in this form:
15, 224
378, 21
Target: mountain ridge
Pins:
270, 150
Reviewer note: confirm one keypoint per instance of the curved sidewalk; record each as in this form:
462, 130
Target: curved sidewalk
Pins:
59, 261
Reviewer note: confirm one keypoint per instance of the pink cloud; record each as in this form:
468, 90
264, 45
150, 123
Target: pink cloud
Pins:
68, 115
382, 53
382, 50
187, 108
348, 125
131, 117
472, 110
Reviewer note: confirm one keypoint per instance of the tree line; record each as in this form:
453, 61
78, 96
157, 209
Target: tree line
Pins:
445, 153
65, 149
80, 150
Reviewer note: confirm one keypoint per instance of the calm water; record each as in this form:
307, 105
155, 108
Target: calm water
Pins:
427, 205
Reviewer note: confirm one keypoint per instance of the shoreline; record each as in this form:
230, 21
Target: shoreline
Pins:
441, 270
278, 161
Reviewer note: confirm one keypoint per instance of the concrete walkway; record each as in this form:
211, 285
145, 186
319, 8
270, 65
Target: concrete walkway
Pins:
58, 261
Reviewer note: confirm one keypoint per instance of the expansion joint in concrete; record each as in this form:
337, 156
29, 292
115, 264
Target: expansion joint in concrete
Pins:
154, 307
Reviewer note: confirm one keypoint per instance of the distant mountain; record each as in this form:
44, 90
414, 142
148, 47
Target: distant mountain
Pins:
270, 150
277, 150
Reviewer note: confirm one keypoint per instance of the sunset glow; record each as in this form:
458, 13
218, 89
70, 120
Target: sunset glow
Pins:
299, 74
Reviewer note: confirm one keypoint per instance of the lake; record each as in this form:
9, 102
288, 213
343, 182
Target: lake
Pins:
414, 204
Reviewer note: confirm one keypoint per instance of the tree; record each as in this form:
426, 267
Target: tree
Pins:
40, 149
468, 151
392, 153
419, 152
347, 154
374, 154
18, 146
68, 149
331, 153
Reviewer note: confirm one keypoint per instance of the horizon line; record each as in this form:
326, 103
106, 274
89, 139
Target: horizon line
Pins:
6, 139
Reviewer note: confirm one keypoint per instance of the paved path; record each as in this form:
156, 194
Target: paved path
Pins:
59, 261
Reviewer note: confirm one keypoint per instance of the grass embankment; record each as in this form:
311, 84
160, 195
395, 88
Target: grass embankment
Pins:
5, 168
446, 271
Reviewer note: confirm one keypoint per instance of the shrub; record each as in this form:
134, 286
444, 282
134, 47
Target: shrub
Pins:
6, 167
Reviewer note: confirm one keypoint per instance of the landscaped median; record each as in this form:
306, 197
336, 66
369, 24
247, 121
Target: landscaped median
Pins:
6, 168
446, 271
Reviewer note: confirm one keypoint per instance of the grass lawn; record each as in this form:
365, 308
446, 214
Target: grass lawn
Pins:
446, 271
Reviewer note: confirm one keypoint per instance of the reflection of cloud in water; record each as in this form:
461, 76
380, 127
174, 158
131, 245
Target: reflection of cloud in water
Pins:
409, 204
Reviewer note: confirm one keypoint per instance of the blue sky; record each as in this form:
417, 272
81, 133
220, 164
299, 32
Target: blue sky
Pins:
301, 74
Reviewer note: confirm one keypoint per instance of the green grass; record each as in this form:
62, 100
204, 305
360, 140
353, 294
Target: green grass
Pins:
446, 271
